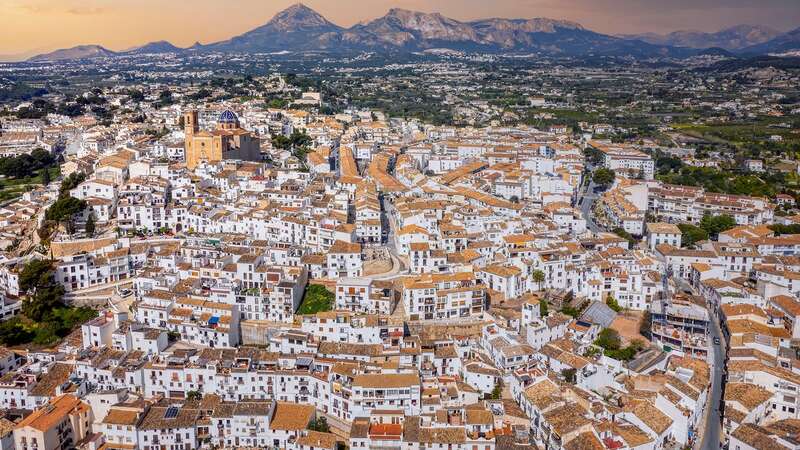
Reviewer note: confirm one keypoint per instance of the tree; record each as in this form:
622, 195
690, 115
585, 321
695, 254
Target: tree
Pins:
572, 311
316, 299
538, 278
70, 109
14, 332
603, 177
594, 156
691, 234
320, 424
194, 395
23, 165
497, 392
90, 225
619, 231
277, 103
296, 140
46, 176
164, 98
71, 182
201, 94
43, 302
570, 375
780, 229
591, 351
64, 209
714, 225
611, 344
135, 95
608, 339
543, 308
613, 304
42, 158
37, 272
668, 163
645, 326
38, 280
280, 141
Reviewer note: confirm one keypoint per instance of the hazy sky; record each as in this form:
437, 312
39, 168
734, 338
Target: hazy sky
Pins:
28, 26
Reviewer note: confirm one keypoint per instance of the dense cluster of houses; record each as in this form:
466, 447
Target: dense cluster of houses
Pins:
468, 295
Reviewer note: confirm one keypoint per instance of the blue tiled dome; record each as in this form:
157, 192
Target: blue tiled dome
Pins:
228, 116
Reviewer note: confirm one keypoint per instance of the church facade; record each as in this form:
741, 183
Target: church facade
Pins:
228, 141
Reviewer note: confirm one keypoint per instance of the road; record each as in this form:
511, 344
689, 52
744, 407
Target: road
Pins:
389, 214
396, 270
399, 267
586, 201
710, 437
711, 424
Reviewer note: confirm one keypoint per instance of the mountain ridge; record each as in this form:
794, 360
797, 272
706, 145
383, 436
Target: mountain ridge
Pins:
154, 48
786, 42
406, 30
299, 28
732, 38
77, 52
290, 27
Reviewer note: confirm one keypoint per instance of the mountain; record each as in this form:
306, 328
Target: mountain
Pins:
79, 52
559, 37
510, 33
154, 48
295, 28
401, 28
733, 38
300, 29
786, 42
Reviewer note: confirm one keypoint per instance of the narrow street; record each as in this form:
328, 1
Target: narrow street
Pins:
586, 202
710, 426
711, 435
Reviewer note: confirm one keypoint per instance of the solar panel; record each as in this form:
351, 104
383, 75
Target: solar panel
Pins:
171, 413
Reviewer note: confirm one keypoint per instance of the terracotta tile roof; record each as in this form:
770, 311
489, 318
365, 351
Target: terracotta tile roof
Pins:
787, 304
650, 415
663, 228
119, 416
585, 441
345, 247
756, 437
748, 395
567, 418
53, 413
318, 439
57, 375
291, 416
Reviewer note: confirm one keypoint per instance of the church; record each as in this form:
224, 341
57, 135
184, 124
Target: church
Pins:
228, 141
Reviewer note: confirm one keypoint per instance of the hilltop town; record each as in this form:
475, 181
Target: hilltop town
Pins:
445, 252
